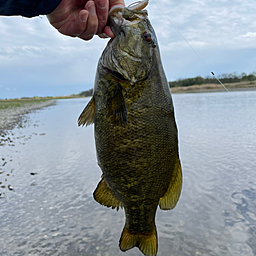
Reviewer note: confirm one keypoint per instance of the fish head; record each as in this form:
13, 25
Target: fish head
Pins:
132, 48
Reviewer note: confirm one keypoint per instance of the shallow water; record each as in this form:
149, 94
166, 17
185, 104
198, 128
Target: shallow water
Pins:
48, 171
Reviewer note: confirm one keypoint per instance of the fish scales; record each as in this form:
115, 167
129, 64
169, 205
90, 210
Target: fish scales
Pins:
135, 158
135, 130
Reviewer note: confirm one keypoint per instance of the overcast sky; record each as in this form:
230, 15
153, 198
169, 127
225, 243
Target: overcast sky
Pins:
35, 60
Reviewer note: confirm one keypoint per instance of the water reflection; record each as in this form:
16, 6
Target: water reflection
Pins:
245, 214
13, 135
53, 171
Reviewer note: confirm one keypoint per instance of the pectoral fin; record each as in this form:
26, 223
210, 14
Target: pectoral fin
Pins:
172, 195
116, 104
87, 116
104, 195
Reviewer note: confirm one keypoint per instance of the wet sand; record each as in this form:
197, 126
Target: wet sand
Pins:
12, 116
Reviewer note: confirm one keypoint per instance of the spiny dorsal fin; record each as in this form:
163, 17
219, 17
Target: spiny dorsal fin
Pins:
146, 242
87, 116
172, 195
103, 194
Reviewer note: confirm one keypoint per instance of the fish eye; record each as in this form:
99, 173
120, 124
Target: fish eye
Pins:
147, 37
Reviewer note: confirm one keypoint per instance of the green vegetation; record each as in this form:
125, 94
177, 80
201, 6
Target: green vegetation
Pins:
225, 78
6, 103
86, 93
232, 81
15, 103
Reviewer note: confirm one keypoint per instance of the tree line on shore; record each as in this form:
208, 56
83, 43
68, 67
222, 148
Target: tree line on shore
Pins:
225, 78
86, 93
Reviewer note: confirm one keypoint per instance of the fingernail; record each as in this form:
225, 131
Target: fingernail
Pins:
101, 3
91, 9
84, 17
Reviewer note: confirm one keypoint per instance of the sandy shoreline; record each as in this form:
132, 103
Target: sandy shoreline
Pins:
10, 117
242, 86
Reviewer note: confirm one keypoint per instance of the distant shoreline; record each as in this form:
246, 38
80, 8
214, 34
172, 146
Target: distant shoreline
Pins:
11, 111
241, 86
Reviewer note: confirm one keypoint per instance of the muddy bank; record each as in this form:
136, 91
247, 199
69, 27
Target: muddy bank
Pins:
12, 116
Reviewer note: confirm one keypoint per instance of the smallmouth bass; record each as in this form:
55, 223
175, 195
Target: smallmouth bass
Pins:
135, 130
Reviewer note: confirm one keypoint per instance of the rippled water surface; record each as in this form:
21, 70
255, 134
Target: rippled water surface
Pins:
48, 171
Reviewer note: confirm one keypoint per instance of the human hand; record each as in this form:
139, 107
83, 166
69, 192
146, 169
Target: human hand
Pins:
83, 18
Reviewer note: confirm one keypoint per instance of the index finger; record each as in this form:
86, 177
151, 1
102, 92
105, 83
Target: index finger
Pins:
102, 7
106, 29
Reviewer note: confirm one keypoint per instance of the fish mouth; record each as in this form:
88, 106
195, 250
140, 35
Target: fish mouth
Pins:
127, 16
137, 6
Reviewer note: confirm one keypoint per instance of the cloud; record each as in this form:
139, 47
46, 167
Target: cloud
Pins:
35, 58
34, 55
216, 23
248, 35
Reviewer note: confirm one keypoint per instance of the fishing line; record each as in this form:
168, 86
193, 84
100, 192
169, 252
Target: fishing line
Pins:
191, 46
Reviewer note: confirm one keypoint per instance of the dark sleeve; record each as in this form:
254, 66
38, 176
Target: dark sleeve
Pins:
27, 8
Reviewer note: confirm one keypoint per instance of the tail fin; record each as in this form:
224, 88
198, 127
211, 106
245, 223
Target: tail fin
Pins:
146, 242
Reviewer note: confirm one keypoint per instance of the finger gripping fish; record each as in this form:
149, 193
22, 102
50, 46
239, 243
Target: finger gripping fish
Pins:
135, 130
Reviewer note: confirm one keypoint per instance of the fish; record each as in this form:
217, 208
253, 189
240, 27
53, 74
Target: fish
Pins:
135, 130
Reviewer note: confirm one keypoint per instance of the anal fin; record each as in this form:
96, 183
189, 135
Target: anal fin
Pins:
146, 242
172, 195
104, 195
87, 116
